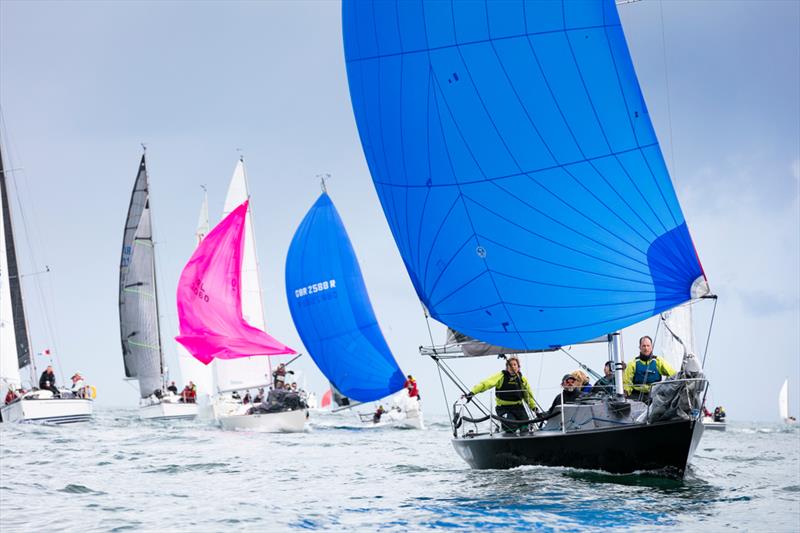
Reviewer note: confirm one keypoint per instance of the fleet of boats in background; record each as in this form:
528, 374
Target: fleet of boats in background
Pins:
224, 352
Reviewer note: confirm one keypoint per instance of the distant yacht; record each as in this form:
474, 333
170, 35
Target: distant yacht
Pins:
225, 327
140, 331
34, 405
783, 404
333, 314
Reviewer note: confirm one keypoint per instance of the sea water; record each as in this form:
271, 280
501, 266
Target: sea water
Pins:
123, 474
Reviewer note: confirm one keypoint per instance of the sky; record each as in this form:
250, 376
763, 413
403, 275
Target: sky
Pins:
83, 84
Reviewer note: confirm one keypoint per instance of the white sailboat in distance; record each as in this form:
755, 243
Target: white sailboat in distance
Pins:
234, 377
783, 404
50, 406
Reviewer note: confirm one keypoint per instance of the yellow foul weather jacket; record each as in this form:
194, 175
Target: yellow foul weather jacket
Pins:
496, 380
648, 371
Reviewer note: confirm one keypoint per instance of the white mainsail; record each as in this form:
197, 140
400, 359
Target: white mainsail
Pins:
783, 400
247, 371
192, 369
9, 368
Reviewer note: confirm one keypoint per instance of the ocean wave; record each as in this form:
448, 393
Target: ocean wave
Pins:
74, 488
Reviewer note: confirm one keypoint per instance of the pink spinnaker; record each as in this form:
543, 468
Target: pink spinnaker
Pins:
210, 300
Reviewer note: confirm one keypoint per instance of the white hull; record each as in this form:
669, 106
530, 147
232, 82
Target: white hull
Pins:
205, 409
281, 422
48, 411
411, 422
168, 411
408, 422
709, 423
405, 413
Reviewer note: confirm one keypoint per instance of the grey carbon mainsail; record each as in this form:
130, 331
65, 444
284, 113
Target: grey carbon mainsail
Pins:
17, 309
138, 306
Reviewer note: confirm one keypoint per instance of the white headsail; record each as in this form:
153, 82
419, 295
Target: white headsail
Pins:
678, 335
9, 368
192, 369
14, 342
247, 371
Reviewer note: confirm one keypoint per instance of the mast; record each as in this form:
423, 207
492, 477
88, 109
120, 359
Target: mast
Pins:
255, 253
615, 353
155, 292
21, 337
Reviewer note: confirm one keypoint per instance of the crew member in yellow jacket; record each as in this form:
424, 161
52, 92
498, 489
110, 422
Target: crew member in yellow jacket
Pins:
510, 389
644, 371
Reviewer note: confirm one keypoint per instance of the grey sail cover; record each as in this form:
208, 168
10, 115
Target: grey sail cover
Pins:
138, 308
473, 347
468, 346
17, 308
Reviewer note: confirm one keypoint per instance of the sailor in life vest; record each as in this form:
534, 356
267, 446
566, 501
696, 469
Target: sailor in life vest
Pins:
645, 370
510, 389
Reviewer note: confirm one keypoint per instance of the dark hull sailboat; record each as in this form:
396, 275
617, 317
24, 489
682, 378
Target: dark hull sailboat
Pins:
523, 182
661, 446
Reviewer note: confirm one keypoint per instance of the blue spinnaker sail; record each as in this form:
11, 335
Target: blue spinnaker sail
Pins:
518, 169
332, 311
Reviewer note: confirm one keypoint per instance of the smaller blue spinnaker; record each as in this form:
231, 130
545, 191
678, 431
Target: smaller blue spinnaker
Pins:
332, 311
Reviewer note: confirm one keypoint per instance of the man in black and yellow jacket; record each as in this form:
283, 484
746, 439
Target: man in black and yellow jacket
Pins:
510, 389
644, 371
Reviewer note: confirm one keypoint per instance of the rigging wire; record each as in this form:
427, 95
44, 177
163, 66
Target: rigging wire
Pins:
583, 366
430, 336
442, 366
161, 315
541, 368
32, 237
658, 327
705, 352
446, 401
666, 83
710, 327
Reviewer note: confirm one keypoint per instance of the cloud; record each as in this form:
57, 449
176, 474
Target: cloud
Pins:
765, 303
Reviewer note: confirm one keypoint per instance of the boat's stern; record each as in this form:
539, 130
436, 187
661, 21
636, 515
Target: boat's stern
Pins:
49, 411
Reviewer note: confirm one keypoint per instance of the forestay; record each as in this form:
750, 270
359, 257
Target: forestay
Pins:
331, 308
514, 157
138, 307
677, 339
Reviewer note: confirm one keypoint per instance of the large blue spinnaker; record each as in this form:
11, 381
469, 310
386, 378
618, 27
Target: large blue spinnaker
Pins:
518, 169
332, 311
